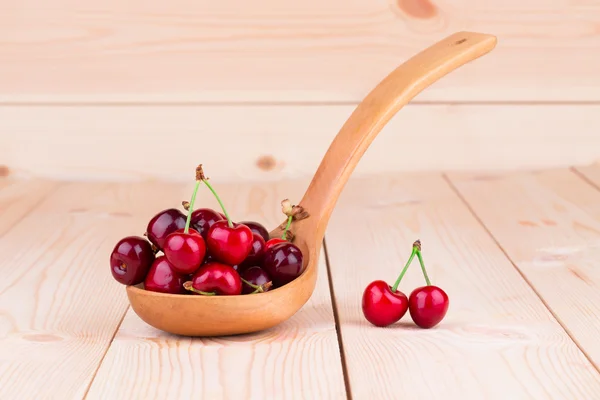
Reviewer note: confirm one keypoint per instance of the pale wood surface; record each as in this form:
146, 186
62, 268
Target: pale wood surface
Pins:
590, 172
287, 51
18, 197
549, 225
297, 359
59, 305
286, 142
498, 341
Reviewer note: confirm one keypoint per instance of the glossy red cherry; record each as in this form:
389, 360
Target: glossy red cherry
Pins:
256, 280
185, 248
257, 228
283, 262
428, 306
257, 252
229, 244
272, 242
163, 278
185, 251
131, 259
381, 306
163, 224
203, 219
215, 279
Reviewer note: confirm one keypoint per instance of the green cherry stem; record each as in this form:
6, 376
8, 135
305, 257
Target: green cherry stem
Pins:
289, 222
200, 176
412, 256
188, 286
258, 288
420, 257
191, 208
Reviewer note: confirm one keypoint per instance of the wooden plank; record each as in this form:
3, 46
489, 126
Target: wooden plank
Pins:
297, 359
287, 51
18, 197
498, 340
287, 142
59, 305
549, 224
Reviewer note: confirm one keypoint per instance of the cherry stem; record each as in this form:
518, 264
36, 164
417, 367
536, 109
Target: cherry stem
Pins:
200, 175
420, 257
188, 286
191, 208
412, 255
289, 222
258, 288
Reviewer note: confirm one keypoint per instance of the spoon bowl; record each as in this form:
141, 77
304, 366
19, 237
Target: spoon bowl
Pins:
195, 315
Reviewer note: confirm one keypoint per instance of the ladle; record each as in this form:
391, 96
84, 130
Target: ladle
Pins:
196, 315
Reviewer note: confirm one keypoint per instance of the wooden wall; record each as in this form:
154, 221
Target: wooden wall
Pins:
140, 89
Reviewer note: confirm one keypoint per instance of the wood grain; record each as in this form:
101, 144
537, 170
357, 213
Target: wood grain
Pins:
287, 142
287, 51
18, 197
549, 225
59, 305
298, 359
498, 340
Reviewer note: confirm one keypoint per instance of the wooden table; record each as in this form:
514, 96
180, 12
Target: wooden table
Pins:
517, 253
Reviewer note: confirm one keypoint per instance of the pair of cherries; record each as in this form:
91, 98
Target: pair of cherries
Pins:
205, 253
383, 305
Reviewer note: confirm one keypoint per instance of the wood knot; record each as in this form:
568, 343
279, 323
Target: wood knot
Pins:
421, 9
266, 163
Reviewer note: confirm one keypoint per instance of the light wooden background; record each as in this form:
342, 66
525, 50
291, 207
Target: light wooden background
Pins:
120, 91
516, 252
138, 90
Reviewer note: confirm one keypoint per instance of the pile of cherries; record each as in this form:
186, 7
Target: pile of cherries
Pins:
206, 253
383, 305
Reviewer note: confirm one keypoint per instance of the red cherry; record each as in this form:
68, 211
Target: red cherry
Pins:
229, 244
131, 259
428, 306
163, 278
257, 228
203, 219
215, 279
163, 224
185, 251
254, 278
283, 263
381, 306
272, 242
257, 252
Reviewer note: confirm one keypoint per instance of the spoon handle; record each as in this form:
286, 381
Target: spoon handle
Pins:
371, 115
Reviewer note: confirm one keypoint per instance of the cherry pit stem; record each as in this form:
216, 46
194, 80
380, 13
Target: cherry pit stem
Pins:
420, 257
289, 222
415, 251
188, 286
191, 208
258, 288
200, 176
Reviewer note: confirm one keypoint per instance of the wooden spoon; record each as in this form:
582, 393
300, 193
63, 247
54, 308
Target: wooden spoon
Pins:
196, 315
